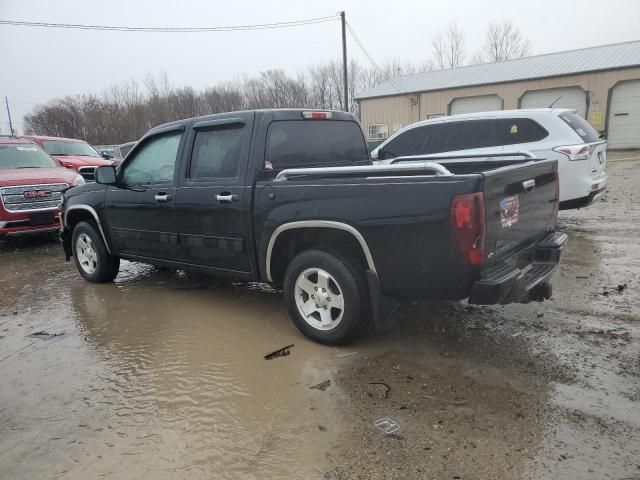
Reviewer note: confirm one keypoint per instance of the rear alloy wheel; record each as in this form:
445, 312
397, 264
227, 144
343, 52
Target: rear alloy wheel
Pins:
91, 256
319, 299
326, 296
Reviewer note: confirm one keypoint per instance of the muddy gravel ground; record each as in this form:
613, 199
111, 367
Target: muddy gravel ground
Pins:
161, 374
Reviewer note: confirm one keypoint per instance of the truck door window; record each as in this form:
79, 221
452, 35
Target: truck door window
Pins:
303, 143
216, 153
154, 161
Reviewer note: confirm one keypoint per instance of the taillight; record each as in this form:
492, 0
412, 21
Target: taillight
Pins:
469, 226
316, 115
576, 152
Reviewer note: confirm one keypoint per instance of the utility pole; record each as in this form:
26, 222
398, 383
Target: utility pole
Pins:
344, 62
6, 101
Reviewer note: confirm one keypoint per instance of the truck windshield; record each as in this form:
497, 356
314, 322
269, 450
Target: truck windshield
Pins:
24, 156
315, 143
65, 148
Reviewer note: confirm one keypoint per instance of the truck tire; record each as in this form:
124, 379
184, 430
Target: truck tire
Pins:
90, 254
326, 296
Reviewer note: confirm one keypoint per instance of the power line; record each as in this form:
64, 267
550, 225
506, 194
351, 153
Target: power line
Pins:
373, 62
229, 28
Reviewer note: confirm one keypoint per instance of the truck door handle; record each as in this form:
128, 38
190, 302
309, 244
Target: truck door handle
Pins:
162, 197
226, 198
529, 185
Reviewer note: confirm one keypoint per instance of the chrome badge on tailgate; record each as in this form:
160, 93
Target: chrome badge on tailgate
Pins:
509, 210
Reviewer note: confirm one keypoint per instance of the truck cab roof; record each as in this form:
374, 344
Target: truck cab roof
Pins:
276, 114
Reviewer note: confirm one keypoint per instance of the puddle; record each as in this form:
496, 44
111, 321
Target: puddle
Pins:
160, 376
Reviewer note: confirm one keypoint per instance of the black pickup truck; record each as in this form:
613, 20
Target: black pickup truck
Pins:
291, 198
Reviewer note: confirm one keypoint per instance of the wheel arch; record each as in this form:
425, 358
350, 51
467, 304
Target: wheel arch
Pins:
290, 238
78, 213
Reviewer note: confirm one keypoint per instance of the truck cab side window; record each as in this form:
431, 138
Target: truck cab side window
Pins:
153, 162
216, 153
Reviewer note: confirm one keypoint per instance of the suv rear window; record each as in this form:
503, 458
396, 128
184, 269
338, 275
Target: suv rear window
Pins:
587, 133
304, 143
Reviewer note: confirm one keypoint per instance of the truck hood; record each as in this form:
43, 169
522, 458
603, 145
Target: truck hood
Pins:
36, 176
75, 162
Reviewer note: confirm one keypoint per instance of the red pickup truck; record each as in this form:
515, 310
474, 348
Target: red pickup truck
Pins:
75, 154
31, 187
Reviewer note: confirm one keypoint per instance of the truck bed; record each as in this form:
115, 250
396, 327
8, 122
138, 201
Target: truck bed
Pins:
407, 207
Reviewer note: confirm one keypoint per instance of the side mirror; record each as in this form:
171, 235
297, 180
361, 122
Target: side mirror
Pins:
106, 154
375, 154
106, 175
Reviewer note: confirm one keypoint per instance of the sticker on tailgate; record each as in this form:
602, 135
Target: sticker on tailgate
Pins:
509, 211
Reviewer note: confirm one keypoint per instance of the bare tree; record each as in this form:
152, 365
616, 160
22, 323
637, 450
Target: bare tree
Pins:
449, 47
476, 59
504, 41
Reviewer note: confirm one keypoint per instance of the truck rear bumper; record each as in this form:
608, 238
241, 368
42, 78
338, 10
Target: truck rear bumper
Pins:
523, 277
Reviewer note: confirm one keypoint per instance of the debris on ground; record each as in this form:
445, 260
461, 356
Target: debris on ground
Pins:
452, 402
387, 425
42, 335
345, 354
281, 352
622, 286
321, 386
386, 393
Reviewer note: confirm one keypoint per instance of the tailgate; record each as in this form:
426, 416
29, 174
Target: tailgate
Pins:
521, 206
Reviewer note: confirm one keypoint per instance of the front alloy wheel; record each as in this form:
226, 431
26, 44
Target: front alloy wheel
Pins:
86, 254
93, 260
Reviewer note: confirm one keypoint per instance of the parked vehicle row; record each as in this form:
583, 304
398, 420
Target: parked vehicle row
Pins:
31, 188
291, 198
75, 154
551, 133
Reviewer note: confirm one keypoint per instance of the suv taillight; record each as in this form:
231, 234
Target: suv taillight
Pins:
576, 152
469, 226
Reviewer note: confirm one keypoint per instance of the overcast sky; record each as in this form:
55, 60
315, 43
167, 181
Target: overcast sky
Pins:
38, 64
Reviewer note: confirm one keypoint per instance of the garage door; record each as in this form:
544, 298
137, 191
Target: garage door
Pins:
572, 97
624, 116
484, 103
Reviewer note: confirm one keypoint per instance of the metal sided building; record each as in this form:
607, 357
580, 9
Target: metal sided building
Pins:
602, 83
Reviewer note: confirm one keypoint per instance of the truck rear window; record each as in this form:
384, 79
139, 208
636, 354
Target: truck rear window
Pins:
306, 143
583, 128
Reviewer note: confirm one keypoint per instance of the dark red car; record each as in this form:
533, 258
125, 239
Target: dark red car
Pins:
31, 186
75, 154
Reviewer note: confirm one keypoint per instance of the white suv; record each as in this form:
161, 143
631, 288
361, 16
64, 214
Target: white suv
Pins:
546, 132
